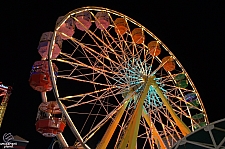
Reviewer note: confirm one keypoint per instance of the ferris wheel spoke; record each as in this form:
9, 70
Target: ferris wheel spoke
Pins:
118, 45
110, 115
77, 76
76, 44
86, 94
92, 35
105, 44
91, 63
123, 40
94, 114
155, 135
95, 98
80, 102
179, 88
169, 119
89, 49
158, 118
96, 57
126, 48
80, 80
93, 122
91, 114
134, 48
78, 63
160, 66
151, 64
88, 118
114, 94
165, 129
109, 94
181, 99
148, 137
112, 50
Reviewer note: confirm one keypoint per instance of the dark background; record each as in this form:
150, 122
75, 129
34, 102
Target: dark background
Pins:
193, 31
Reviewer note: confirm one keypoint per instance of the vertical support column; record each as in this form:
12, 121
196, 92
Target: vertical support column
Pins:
130, 137
183, 128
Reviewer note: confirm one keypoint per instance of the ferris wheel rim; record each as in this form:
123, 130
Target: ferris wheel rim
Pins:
108, 10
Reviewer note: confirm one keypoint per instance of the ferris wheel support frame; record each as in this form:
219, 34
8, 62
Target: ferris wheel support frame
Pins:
109, 132
183, 128
132, 128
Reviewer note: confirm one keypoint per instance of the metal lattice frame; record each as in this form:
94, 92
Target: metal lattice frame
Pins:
211, 136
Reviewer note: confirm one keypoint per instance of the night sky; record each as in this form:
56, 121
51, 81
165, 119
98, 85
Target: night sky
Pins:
194, 32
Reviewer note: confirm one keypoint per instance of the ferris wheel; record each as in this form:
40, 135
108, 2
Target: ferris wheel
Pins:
114, 81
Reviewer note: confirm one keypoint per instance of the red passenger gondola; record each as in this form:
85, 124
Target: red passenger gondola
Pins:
47, 123
40, 78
